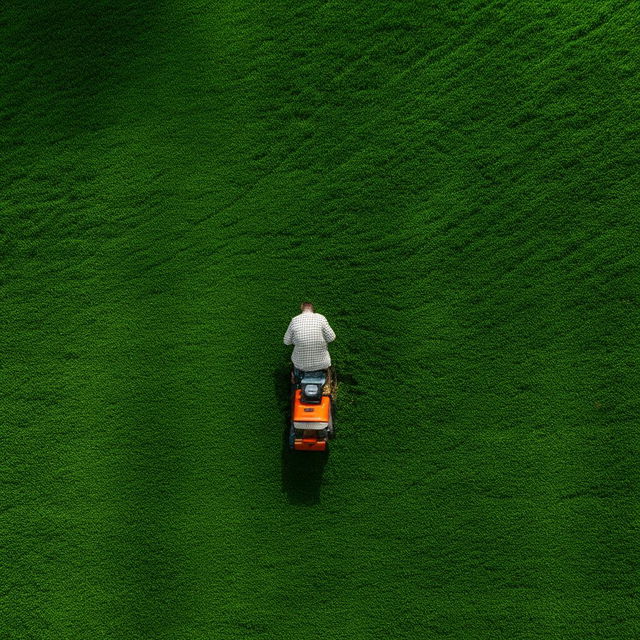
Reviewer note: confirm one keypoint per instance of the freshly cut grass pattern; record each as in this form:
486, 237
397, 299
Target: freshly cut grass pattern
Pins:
455, 186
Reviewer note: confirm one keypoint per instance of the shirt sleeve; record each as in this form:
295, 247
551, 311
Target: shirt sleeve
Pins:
328, 332
288, 336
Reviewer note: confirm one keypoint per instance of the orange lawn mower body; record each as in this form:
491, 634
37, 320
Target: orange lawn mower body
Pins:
312, 398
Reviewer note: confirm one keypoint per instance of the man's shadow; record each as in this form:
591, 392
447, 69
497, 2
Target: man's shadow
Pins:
301, 470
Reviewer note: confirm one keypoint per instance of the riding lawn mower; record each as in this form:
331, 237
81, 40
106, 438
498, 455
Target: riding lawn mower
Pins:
312, 410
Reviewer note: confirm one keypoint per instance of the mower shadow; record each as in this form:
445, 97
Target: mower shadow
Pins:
301, 471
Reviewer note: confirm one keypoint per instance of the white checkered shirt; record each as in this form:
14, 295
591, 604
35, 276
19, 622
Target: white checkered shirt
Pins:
310, 332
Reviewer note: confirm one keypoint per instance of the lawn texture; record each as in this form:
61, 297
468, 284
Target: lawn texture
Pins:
454, 185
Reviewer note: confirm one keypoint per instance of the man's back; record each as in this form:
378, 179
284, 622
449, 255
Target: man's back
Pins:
310, 332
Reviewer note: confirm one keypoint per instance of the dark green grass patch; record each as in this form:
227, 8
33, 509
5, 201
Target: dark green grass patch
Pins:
454, 185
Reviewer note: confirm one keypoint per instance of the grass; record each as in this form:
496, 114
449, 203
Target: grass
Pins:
453, 185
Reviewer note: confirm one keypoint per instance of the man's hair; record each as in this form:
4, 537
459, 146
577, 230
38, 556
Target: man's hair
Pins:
307, 305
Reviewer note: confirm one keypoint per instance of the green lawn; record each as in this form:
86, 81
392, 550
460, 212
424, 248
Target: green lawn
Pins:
454, 185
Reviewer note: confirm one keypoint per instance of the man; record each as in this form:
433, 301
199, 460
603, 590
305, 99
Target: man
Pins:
309, 332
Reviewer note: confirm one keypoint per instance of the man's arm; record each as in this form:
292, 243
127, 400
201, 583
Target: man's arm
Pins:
327, 331
288, 336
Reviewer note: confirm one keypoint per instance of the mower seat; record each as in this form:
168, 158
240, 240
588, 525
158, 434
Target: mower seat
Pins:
314, 377
311, 384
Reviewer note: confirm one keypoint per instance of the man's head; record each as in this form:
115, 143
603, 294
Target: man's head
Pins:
307, 306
